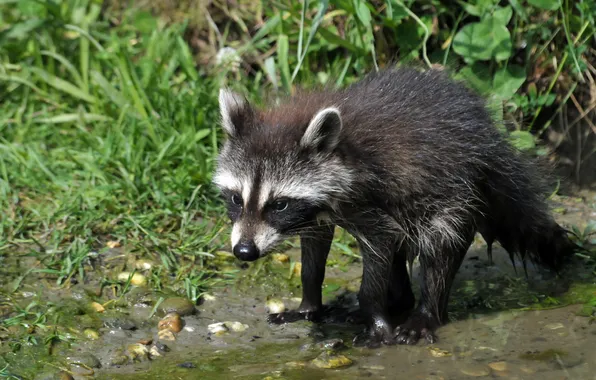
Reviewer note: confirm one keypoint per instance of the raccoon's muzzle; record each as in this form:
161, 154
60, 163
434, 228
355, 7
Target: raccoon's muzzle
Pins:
246, 250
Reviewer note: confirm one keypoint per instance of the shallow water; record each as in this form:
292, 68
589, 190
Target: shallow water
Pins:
489, 335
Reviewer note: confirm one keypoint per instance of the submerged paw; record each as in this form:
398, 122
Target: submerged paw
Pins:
374, 337
291, 316
415, 328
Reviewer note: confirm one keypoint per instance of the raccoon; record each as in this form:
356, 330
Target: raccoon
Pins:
410, 163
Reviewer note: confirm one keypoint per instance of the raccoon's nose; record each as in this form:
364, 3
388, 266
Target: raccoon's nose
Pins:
246, 251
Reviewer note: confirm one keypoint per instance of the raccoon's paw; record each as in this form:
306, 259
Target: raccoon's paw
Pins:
416, 327
293, 316
374, 336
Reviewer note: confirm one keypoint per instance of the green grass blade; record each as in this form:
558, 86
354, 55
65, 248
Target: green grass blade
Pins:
62, 85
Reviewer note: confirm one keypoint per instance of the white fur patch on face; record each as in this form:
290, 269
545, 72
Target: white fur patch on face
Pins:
264, 193
229, 102
246, 188
227, 180
236, 234
265, 237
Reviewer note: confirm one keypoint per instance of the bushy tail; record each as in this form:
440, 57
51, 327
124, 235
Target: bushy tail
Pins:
519, 218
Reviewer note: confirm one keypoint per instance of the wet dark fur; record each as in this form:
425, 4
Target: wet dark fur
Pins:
432, 170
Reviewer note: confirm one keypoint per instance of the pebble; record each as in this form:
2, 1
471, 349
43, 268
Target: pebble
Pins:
326, 360
166, 335
218, 328
119, 323
275, 306
179, 305
144, 265
63, 375
98, 307
330, 344
555, 326
138, 351
91, 334
438, 353
280, 258
475, 370
113, 244
84, 359
498, 366
118, 358
171, 321
136, 280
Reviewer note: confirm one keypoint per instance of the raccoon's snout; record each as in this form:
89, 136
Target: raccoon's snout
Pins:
246, 251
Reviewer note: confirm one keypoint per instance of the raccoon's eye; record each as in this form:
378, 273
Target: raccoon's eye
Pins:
237, 200
280, 205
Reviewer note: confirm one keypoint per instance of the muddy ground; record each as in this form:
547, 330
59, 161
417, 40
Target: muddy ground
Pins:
504, 325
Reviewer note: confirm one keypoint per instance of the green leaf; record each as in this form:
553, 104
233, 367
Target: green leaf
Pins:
283, 48
145, 22
550, 5
483, 40
335, 39
362, 12
477, 76
503, 15
522, 140
508, 80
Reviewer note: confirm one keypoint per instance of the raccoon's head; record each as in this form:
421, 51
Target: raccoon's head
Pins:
277, 174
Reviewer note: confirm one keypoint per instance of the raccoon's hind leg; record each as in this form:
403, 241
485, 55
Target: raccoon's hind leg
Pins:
315, 244
438, 268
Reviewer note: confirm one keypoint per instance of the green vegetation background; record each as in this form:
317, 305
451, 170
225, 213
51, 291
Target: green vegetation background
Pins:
109, 119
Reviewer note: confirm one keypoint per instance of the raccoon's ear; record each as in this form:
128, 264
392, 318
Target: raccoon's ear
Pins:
234, 110
323, 130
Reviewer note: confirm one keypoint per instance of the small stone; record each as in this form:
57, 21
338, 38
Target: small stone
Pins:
179, 305
154, 352
91, 334
138, 351
296, 364
144, 265
498, 366
280, 258
438, 353
63, 375
554, 326
236, 326
118, 358
326, 360
275, 306
330, 344
475, 370
171, 321
528, 370
119, 323
84, 359
208, 297
218, 328
98, 307
113, 244
146, 342
136, 280
166, 335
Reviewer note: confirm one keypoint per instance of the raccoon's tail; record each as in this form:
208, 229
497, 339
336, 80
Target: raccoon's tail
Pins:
519, 218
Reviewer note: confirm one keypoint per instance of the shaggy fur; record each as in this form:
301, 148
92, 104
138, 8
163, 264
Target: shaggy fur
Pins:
410, 164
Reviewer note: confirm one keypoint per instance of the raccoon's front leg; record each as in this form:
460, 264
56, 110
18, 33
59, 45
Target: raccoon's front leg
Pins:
315, 244
377, 257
